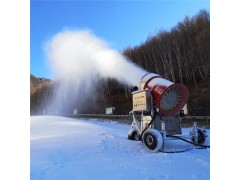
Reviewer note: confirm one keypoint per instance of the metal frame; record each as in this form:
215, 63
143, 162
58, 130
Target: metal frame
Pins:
148, 120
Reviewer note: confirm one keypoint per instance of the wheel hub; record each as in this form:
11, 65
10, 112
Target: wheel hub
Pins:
149, 139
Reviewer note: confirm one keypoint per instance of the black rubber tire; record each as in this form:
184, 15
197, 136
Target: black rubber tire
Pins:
152, 140
201, 137
134, 136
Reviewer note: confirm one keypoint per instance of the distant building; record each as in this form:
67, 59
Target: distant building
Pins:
110, 110
75, 111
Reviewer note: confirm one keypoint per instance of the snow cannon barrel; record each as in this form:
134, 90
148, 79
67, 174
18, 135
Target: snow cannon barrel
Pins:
168, 97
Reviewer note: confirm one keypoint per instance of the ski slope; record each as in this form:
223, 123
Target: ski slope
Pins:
69, 149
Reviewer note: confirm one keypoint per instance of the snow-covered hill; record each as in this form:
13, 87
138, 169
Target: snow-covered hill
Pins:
68, 149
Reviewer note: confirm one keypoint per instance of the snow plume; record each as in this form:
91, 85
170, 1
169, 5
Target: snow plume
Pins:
80, 60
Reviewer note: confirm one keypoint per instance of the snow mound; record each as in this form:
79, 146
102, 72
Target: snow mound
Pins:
64, 148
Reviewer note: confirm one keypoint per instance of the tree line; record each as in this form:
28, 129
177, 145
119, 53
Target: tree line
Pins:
181, 54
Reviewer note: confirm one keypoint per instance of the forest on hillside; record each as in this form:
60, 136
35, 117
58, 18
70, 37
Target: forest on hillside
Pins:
179, 55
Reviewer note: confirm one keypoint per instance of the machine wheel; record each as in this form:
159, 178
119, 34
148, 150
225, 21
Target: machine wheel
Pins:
133, 135
152, 140
201, 137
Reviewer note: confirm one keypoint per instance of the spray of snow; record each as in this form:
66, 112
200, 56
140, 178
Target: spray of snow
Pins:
80, 59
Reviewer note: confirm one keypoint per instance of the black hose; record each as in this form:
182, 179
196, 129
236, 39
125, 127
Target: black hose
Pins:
200, 145
180, 151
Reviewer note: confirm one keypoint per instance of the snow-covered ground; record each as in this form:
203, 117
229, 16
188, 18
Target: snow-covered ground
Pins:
69, 149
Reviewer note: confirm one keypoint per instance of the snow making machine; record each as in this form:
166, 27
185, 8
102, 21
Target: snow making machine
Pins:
157, 113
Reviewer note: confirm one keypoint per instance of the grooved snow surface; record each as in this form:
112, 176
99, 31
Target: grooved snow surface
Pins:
69, 149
